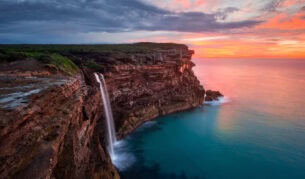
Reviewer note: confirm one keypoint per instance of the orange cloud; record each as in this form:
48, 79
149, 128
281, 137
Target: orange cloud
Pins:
185, 3
199, 2
292, 2
280, 36
284, 22
240, 46
248, 49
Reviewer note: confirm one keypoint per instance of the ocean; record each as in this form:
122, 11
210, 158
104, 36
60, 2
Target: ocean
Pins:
256, 131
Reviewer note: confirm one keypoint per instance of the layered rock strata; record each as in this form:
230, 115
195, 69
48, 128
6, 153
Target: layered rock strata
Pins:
52, 125
50, 128
142, 93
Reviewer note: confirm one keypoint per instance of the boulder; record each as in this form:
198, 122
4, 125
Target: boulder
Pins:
212, 95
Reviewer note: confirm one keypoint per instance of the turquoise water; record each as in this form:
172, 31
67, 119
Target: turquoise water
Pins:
260, 133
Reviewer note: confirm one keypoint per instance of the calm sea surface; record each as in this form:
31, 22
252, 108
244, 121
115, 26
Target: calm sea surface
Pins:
259, 133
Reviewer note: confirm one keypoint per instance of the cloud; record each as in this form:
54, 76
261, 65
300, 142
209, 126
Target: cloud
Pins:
273, 5
194, 22
223, 13
56, 18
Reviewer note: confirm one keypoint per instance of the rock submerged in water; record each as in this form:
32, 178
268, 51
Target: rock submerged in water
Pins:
212, 95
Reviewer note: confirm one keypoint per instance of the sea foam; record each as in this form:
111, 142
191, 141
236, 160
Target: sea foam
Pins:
122, 158
219, 101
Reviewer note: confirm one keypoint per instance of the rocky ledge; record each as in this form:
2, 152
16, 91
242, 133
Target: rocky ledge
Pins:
212, 95
51, 114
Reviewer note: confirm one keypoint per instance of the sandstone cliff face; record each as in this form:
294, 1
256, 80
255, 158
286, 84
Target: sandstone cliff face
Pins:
142, 93
50, 128
145, 85
52, 125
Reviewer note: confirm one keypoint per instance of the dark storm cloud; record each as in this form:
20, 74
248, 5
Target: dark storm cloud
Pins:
195, 22
72, 16
273, 5
223, 13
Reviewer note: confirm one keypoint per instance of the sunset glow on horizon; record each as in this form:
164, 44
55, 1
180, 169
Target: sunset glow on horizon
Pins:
281, 34
213, 28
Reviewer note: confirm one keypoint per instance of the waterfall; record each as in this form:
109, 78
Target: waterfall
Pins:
205, 95
108, 113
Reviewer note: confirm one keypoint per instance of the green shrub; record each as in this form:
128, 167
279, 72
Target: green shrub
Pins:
44, 58
93, 65
62, 63
8, 56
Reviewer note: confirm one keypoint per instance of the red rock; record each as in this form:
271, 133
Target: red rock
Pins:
59, 130
212, 95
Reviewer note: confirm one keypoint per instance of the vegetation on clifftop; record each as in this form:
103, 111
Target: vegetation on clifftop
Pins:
62, 63
141, 47
65, 58
53, 60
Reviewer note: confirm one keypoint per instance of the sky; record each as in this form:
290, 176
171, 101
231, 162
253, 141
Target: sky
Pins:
213, 28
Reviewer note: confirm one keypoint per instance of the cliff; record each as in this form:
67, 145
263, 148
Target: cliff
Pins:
51, 115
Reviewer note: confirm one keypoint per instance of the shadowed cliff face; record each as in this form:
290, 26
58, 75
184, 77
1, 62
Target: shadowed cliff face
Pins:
53, 132
52, 124
141, 93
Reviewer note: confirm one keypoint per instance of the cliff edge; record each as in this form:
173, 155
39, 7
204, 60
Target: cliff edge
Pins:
52, 121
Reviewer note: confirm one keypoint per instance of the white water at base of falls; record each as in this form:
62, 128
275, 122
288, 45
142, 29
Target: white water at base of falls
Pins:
121, 158
108, 114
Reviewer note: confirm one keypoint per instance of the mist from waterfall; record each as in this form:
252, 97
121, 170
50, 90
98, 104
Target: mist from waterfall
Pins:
108, 113
118, 150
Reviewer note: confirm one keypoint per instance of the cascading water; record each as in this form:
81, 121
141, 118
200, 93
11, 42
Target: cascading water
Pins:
121, 158
108, 111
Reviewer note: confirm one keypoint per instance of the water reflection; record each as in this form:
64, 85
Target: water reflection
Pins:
264, 86
261, 133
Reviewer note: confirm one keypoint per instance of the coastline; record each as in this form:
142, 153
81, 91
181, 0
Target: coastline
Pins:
144, 81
